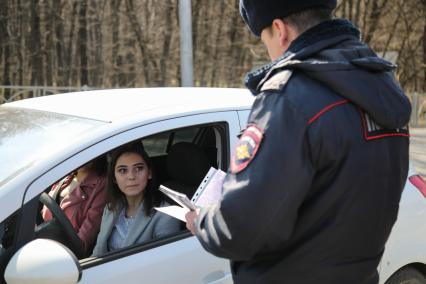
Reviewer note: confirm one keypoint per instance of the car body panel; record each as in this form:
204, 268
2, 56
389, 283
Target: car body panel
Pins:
141, 104
406, 243
187, 264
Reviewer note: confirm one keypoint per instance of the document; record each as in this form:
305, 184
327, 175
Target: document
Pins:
208, 192
174, 211
180, 198
210, 189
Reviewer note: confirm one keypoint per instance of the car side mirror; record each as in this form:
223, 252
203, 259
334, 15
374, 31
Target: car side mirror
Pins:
43, 261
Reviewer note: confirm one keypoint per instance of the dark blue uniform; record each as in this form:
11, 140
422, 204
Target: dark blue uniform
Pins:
316, 178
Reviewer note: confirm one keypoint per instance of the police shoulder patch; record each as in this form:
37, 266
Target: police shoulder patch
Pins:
246, 148
373, 131
276, 81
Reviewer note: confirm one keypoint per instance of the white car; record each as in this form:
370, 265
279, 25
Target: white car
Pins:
44, 139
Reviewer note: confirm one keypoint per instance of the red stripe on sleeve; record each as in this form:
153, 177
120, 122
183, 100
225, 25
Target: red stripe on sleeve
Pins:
324, 110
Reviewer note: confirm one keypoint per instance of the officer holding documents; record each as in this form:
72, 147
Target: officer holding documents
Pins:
315, 181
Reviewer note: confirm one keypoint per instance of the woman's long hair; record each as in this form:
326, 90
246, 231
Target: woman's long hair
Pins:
151, 196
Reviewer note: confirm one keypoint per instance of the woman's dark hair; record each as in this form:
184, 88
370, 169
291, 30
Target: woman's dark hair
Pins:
151, 197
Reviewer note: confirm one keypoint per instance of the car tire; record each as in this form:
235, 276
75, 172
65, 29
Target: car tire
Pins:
407, 275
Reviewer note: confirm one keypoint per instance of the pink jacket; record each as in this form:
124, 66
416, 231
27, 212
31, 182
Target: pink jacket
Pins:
84, 208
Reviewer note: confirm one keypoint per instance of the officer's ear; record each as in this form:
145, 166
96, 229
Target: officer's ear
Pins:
284, 32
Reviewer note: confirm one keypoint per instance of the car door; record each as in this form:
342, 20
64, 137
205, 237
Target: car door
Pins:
176, 259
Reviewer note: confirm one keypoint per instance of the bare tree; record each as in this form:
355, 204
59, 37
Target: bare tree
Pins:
82, 40
128, 43
377, 8
140, 39
5, 47
49, 50
58, 24
167, 32
68, 42
115, 21
35, 39
424, 45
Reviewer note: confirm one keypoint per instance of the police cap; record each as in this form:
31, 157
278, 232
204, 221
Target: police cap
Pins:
259, 14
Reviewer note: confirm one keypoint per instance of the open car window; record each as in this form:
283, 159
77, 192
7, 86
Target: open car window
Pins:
181, 158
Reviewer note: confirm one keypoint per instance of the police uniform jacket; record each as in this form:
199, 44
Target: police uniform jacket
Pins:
316, 178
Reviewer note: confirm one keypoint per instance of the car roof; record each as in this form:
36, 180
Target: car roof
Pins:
116, 104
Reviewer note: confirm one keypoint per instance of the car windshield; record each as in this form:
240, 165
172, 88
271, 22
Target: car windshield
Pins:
26, 135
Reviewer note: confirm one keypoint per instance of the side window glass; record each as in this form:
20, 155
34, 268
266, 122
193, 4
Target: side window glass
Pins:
185, 135
157, 145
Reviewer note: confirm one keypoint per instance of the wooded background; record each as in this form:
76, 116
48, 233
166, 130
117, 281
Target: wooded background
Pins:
135, 43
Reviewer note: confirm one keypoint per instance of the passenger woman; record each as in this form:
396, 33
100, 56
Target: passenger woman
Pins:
82, 197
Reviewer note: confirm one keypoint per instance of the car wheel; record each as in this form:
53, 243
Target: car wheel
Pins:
407, 275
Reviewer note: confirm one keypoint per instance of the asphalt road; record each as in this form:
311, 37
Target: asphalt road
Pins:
418, 149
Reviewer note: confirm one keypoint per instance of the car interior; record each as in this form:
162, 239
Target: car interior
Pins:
181, 159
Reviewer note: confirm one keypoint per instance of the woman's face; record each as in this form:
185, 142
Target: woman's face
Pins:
131, 174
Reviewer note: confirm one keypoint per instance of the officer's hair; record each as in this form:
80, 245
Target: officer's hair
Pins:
306, 19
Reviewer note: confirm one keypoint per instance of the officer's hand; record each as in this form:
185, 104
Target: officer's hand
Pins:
190, 220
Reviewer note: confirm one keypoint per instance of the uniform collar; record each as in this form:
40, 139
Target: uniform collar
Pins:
315, 39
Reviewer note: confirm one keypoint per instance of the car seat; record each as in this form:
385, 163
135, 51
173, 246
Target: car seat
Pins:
186, 166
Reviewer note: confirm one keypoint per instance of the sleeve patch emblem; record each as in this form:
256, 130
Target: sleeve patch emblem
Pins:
246, 148
373, 131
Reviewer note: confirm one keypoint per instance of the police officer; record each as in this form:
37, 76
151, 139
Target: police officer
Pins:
316, 178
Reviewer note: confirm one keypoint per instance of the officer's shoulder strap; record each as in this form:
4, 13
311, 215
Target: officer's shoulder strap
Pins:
279, 75
277, 81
